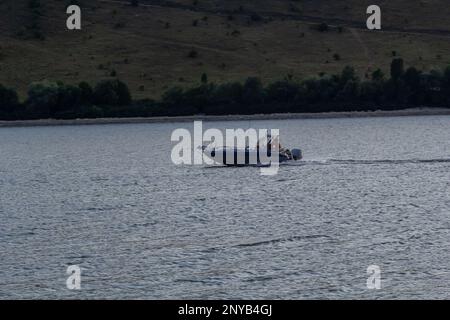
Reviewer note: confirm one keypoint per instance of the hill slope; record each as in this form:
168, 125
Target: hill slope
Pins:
160, 44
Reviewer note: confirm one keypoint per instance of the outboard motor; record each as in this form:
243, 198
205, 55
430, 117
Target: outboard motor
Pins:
297, 154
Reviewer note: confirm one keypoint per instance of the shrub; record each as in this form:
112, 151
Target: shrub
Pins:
323, 27
193, 54
348, 74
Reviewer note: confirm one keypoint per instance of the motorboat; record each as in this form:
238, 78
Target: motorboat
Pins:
260, 155
247, 157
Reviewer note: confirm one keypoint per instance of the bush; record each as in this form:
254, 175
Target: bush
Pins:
193, 54
323, 27
256, 17
112, 92
348, 74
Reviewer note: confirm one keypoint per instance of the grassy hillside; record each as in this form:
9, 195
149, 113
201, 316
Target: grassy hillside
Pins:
160, 44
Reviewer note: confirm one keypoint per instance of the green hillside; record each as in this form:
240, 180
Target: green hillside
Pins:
159, 44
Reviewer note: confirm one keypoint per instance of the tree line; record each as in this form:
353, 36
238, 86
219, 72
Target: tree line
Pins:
403, 88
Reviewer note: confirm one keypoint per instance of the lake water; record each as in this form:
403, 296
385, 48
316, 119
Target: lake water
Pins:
370, 191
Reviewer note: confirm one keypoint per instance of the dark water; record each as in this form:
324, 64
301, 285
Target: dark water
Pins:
107, 198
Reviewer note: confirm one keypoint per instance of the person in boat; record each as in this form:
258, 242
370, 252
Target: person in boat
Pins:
275, 143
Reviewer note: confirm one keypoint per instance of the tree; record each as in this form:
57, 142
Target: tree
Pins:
253, 92
69, 98
432, 85
199, 97
397, 68
176, 101
86, 93
112, 93
9, 102
350, 92
412, 79
446, 85
43, 98
282, 91
173, 96
228, 93
371, 92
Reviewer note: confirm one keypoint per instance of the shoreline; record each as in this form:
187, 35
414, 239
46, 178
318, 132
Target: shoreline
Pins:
273, 116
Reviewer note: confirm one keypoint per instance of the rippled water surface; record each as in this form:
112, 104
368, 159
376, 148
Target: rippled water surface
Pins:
108, 198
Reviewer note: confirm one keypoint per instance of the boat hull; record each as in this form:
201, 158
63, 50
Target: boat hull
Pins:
242, 157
